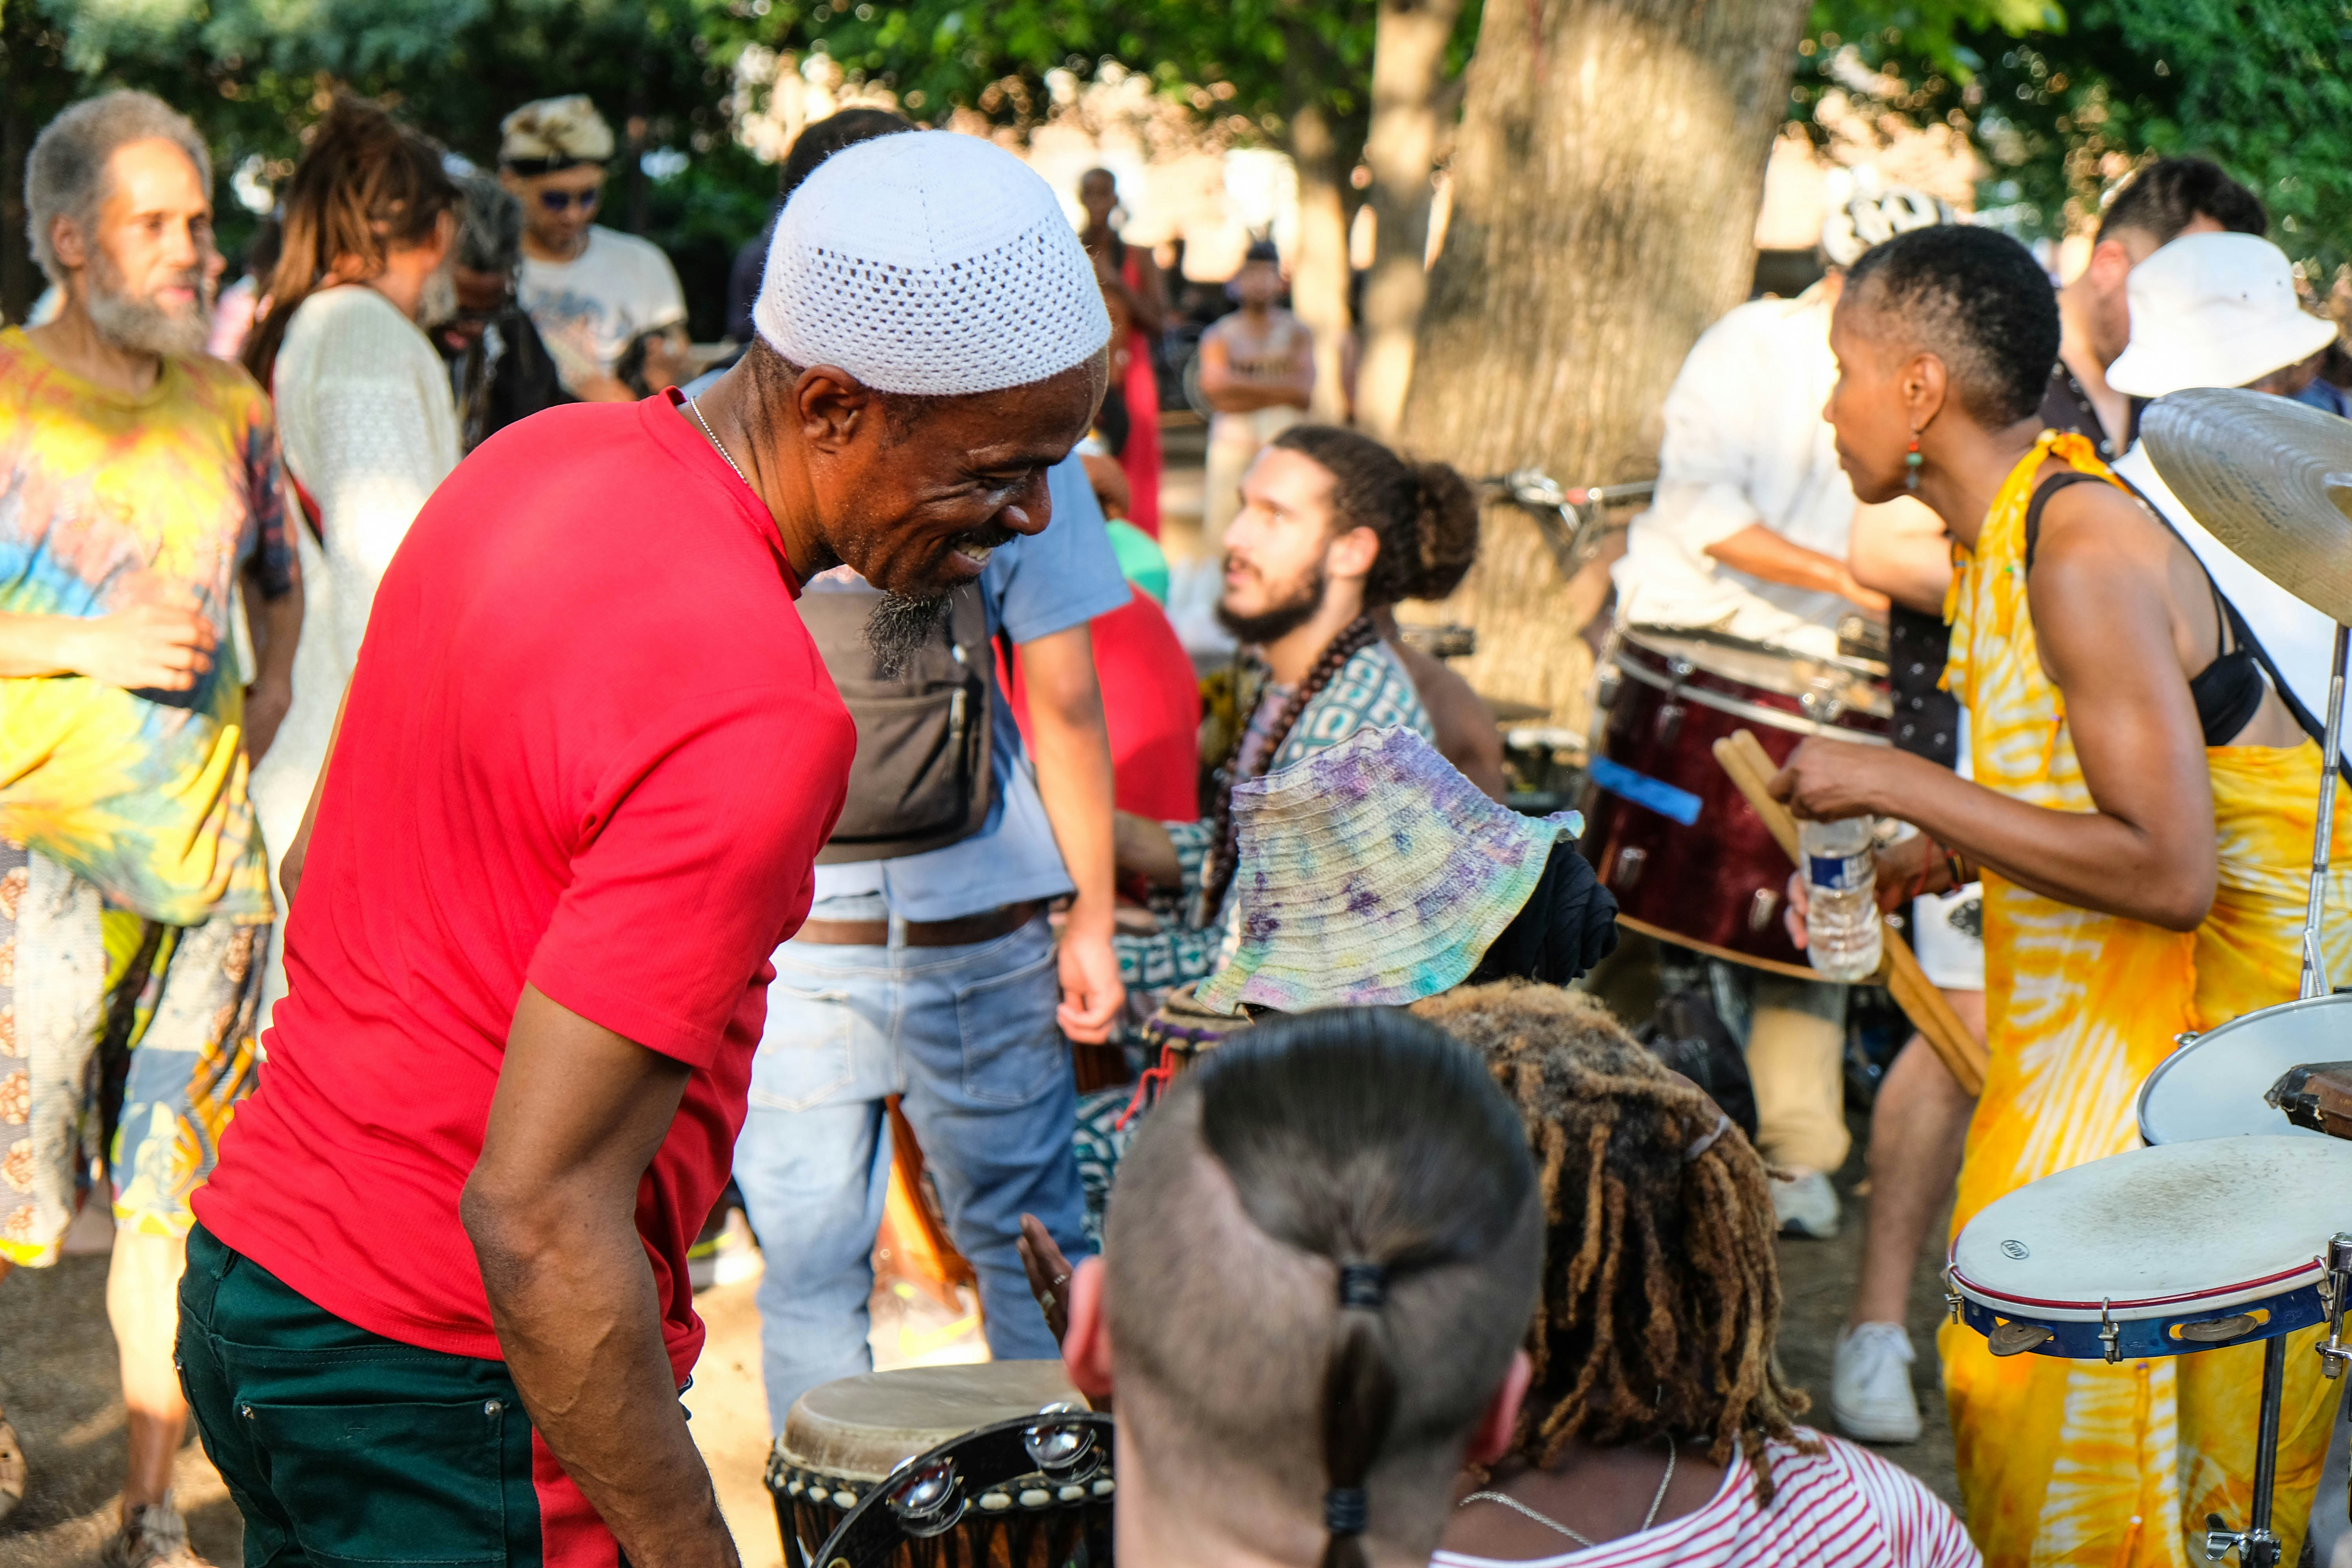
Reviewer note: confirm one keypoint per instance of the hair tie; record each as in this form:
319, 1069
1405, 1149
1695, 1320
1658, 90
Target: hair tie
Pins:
1345, 1511
1365, 1286
1701, 1145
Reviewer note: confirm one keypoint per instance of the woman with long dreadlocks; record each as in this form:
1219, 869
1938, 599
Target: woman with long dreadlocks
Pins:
1657, 1429
1333, 527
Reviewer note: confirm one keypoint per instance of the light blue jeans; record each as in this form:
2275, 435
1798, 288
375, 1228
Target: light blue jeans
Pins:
966, 1035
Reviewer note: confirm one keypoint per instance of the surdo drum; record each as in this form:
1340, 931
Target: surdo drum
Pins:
1688, 858
998, 1465
2168, 1251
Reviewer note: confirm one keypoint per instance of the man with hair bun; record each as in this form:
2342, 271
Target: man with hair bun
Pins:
1319, 1261
140, 482
1334, 528
438, 1307
592, 291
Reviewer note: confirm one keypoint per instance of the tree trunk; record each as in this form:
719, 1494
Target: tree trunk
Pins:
1323, 150
1606, 178
1401, 148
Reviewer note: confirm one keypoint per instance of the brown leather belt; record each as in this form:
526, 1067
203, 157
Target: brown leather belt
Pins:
956, 932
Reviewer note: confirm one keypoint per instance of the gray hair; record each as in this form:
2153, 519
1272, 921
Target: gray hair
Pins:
489, 227
65, 175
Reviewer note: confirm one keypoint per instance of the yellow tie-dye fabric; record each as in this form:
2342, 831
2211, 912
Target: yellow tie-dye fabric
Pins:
2071, 1462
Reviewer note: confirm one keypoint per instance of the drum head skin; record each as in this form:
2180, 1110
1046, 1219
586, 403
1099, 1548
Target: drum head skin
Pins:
2213, 1087
2153, 1239
859, 1428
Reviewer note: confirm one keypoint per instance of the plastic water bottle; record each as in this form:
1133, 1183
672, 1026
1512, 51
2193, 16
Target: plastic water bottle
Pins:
1842, 936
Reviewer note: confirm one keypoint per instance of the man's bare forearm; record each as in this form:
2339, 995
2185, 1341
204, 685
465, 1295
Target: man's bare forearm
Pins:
572, 1296
551, 1208
276, 627
1145, 849
1074, 783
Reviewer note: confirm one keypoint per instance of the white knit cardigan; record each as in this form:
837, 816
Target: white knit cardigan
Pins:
369, 427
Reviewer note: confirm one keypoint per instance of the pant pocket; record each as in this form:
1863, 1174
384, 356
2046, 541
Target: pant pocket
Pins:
806, 1051
392, 1485
1011, 1050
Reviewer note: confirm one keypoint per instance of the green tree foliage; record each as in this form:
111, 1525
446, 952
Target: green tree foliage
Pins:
2061, 105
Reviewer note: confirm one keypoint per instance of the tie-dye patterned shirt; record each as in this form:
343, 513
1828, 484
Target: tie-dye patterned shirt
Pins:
106, 497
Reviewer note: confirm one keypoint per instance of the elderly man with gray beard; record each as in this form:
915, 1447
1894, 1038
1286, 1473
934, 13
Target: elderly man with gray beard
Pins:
139, 478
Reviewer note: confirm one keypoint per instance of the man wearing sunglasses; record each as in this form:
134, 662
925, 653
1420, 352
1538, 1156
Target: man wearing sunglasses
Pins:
590, 290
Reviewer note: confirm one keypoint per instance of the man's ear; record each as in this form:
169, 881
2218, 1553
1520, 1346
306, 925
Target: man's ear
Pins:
65, 240
1491, 1439
1352, 554
832, 405
1086, 1348
2109, 265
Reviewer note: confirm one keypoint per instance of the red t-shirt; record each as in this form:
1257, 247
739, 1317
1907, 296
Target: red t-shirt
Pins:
589, 746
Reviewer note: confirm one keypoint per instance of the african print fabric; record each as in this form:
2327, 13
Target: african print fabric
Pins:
107, 498
107, 1018
2071, 1462
1371, 691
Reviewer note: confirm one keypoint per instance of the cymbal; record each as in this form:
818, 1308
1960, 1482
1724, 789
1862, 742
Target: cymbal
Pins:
2268, 476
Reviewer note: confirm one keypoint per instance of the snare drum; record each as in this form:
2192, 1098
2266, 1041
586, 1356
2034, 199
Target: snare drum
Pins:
2213, 1085
877, 1440
2157, 1252
1686, 856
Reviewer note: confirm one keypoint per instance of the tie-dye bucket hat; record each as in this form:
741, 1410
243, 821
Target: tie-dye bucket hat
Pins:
1372, 874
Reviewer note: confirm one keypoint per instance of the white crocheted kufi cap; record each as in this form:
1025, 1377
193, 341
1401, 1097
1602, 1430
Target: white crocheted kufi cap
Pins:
930, 263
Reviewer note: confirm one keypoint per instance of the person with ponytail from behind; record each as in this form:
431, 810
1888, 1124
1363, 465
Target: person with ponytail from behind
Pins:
1334, 527
364, 411
1320, 1257
1657, 1428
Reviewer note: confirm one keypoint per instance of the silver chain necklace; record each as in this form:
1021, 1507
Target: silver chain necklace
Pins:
1546, 1520
712, 436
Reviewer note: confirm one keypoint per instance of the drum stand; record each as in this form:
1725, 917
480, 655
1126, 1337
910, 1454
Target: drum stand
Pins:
2258, 1545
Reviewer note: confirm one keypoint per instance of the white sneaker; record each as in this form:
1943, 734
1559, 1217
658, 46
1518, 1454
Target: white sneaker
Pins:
1870, 1391
1805, 1203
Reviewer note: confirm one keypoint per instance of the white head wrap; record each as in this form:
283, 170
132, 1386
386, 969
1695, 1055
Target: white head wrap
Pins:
930, 263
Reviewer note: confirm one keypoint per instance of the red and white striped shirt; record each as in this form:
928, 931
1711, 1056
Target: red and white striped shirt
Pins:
1842, 1507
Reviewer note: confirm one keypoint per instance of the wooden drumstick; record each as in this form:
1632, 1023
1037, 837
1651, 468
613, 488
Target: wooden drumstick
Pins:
1743, 757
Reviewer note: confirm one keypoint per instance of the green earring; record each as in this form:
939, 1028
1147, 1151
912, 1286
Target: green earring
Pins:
1911, 464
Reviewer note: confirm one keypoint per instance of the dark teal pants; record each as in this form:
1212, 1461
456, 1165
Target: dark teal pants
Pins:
344, 1449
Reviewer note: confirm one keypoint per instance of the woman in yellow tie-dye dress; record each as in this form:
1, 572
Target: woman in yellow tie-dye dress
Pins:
2142, 814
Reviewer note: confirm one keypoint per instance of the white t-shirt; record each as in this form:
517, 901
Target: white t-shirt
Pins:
1745, 443
1842, 1507
589, 308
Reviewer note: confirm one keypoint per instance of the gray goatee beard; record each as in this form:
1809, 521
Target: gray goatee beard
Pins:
898, 629
140, 325
438, 305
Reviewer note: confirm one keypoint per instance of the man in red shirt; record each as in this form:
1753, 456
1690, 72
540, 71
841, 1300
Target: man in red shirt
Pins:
437, 1306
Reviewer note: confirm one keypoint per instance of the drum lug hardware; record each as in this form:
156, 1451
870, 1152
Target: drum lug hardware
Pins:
2335, 1354
1761, 909
1627, 871
1668, 724
1951, 1297
2111, 1334
1607, 681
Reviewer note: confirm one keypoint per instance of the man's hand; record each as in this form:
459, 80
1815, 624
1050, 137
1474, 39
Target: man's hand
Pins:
1092, 991
551, 1208
1049, 1274
164, 642
266, 702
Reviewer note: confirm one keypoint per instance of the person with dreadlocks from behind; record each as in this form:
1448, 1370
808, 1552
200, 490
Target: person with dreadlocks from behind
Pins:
1333, 527
1656, 1428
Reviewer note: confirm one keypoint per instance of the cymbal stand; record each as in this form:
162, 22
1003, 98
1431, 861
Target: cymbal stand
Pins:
2315, 963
